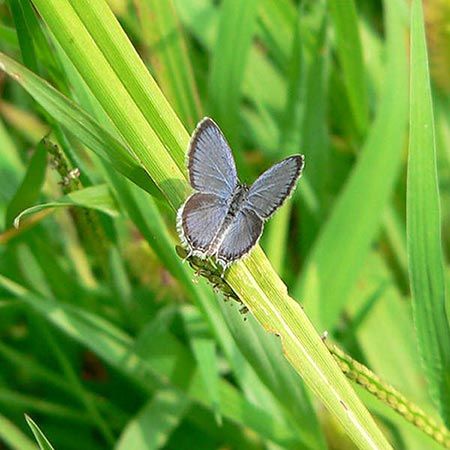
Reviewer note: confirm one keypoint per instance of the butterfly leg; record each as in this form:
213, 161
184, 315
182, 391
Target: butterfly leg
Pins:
189, 254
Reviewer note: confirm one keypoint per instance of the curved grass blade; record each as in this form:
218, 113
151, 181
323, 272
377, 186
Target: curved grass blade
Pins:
94, 197
30, 188
77, 122
43, 442
12, 436
424, 226
122, 58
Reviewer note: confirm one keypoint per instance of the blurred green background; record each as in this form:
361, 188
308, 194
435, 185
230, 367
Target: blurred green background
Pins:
108, 341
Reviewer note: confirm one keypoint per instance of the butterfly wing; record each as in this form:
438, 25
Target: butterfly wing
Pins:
242, 234
199, 220
270, 190
211, 165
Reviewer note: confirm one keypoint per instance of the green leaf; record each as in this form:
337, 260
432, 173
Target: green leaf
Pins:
43, 442
24, 34
424, 226
115, 54
349, 50
202, 19
30, 188
164, 360
169, 54
11, 435
230, 57
153, 424
77, 122
278, 227
93, 197
263, 352
205, 353
359, 209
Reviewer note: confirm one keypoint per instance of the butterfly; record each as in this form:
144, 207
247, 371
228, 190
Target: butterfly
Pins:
224, 218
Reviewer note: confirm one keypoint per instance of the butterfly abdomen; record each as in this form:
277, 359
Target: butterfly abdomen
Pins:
238, 198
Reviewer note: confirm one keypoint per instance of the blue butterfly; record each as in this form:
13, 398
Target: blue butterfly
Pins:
224, 218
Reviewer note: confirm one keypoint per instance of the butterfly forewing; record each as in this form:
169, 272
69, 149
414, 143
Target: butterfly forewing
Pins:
270, 190
201, 218
211, 165
242, 234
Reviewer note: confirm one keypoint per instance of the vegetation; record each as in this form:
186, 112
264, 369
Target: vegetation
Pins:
110, 340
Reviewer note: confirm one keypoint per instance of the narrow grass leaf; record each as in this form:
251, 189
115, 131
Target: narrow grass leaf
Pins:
154, 423
76, 121
24, 34
202, 19
168, 52
337, 261
43, 442
348, 42
30, 188
170, 363
424, 226
116, 48
276, 20
230, 58
93, 197
205, 352
263, 352
12, 436
277, 229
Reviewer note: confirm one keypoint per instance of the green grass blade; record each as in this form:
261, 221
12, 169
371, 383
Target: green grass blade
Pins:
424, 227
202, 19
118, 51
278, 227
230, 57
168, 52
263, 351
24, 34
30, 188
43, 442
176, 365
8, 36
94, 197
253, 279
205, 353
153, 424
79, 123
12, 436
275, 24
349, 50
123, 111
337, 261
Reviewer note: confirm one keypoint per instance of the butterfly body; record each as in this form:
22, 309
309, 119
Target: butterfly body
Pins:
224, 218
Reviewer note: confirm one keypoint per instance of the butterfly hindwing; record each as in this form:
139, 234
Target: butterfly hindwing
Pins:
200, 218
242, 234
270, 190
211, 165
